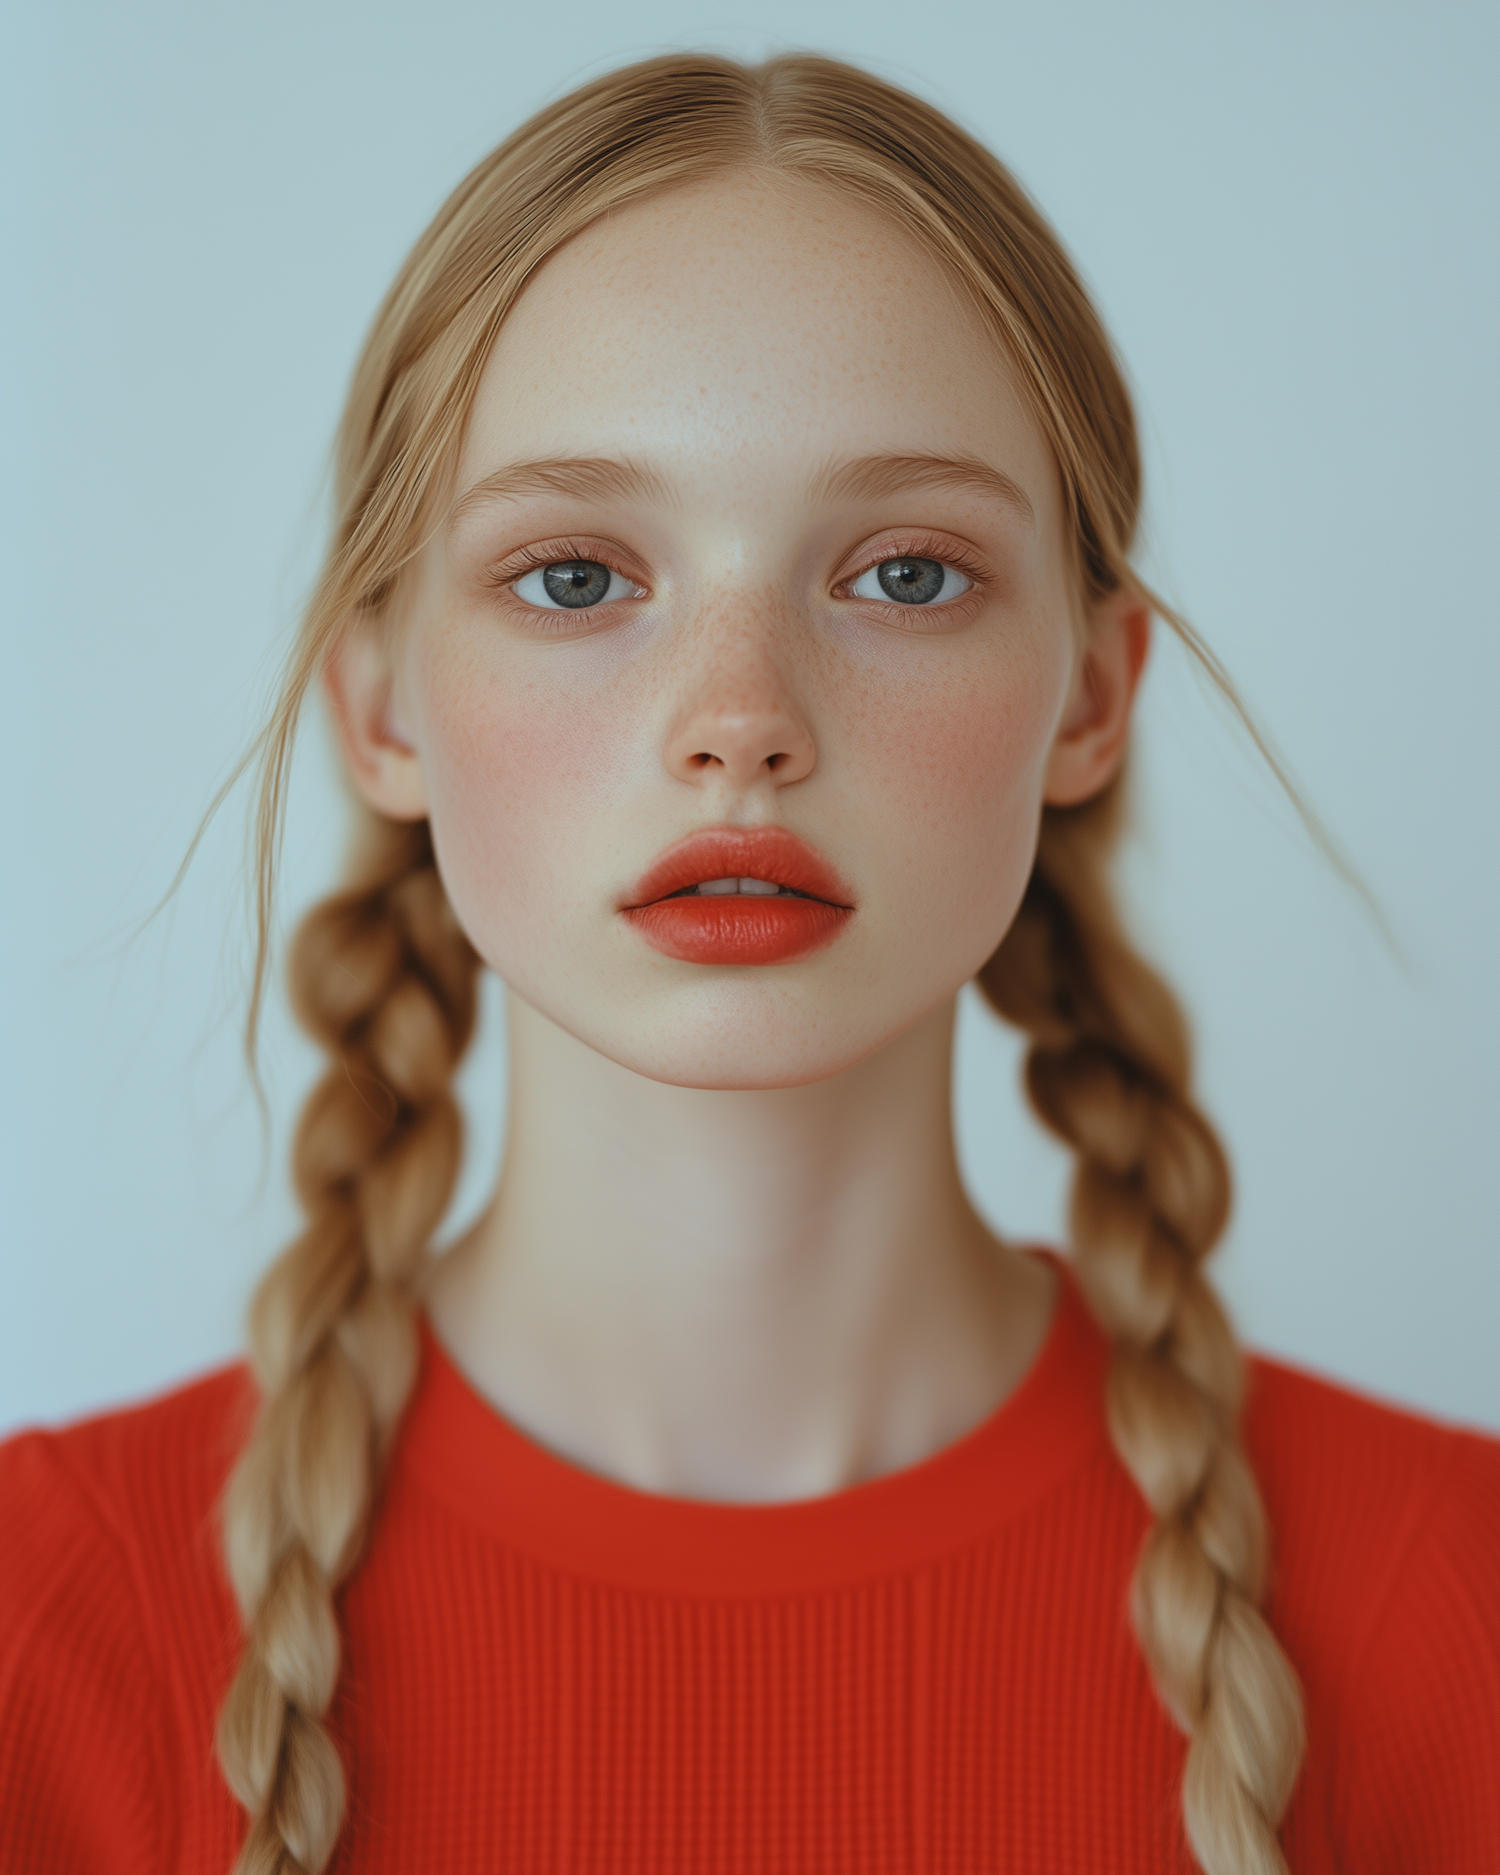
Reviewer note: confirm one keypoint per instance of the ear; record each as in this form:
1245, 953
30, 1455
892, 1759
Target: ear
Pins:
1090, 741
359, 680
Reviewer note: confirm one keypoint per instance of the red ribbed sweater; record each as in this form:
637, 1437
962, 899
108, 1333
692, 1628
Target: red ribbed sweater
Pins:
931, 1672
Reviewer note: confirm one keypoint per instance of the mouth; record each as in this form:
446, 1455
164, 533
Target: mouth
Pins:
734, 895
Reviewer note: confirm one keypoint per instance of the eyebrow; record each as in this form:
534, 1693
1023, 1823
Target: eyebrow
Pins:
871, 477
587, 478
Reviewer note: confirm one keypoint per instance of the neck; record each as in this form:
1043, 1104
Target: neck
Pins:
747, 1296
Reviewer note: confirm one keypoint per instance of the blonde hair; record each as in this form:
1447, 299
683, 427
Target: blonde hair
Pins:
384, 978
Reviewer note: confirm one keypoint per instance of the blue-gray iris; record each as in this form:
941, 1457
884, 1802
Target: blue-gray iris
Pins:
909, 581
577, 582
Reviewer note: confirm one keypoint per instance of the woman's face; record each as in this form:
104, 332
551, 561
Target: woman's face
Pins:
752, 535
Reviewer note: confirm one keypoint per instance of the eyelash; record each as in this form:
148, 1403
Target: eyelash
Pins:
529, 559
919, 547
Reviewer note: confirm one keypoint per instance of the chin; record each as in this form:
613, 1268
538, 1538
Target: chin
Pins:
742, 1041
729, 1076
731, 1058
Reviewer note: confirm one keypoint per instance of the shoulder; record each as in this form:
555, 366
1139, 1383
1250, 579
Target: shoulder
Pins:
142, 1483
1352, 1485
141, 1460
114, 1613
1347, 1477
1385, 1531
138, 1489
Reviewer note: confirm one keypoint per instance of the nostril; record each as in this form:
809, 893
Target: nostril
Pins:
740, 758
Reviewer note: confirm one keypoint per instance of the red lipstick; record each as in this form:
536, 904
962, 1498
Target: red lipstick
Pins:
746, 921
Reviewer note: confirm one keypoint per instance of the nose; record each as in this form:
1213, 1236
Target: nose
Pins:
740, 724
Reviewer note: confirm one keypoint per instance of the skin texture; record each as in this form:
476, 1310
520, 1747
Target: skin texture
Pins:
730, 1255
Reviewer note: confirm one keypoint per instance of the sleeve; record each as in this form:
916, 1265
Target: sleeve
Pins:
80, 1711
1419, 1755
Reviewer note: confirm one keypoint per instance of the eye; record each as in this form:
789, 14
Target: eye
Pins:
911, 580
572, 585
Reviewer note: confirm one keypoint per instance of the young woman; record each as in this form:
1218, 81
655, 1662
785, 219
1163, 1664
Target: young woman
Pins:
731, 635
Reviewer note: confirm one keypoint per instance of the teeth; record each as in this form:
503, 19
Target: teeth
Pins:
725, 888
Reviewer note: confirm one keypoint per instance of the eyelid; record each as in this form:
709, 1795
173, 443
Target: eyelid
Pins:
504, 573
919, 545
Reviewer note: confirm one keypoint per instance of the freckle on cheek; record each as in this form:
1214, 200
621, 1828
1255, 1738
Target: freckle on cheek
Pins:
962, 783
516, 785
485, 793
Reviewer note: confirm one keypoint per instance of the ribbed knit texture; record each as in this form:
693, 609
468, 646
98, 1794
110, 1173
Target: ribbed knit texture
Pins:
933, 1672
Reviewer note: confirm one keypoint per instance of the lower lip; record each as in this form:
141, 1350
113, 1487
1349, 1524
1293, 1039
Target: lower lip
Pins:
738, 929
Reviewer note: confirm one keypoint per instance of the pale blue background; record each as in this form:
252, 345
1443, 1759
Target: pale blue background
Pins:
1288, 214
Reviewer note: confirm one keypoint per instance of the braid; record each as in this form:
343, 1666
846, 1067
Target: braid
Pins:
384, 978
1108, 1072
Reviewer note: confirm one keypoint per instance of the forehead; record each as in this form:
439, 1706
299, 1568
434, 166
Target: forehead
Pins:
750, 320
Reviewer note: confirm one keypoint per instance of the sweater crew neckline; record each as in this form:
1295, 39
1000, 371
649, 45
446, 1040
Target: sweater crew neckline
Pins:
456, 1445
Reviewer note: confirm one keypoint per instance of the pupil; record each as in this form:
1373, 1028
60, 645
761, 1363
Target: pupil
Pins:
576, 583
910, 581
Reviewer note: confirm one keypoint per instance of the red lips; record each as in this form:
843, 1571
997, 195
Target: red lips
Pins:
736, 929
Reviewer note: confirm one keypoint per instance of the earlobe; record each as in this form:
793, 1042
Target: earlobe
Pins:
359, 683
1092, 737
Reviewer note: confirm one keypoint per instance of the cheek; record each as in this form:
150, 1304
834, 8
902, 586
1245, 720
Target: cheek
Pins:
961, 766
518, 772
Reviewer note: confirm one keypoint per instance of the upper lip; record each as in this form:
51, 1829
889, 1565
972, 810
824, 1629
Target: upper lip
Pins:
770, 853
